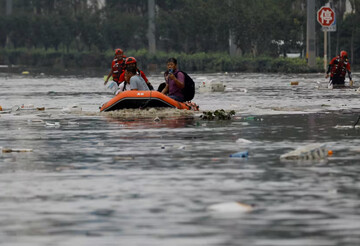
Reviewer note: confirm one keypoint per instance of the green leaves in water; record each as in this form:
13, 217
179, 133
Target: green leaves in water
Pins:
217, 115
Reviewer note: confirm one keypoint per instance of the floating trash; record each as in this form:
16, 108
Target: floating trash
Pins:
15, 108
242, 154
35, 121
231, 207
243, 141
294, 83
346, 126
219, 114
73, 123
211, 87
123, 158
308, 152
72, 109
25, 73
0, 108
8, 150
55, 124
28, 106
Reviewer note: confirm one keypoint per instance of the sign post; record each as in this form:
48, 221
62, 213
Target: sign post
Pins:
326, 17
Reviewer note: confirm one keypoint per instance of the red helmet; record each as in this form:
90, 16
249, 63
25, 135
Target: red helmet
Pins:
119, 52
343, 54
130, 60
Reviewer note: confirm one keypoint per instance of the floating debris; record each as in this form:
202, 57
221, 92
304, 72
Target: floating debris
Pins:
231, 207
35, 121
72, 109
294, 83
55, 124
308, 152
241, 154
211, 87
243, 141
15, 108
217, 115
123, 158
28, 106
7, 150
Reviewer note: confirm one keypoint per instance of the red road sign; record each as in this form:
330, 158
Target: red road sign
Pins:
325, 16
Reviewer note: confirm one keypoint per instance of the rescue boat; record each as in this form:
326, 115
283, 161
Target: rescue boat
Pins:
142, 99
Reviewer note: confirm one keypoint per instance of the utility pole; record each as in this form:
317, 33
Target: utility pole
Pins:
151, 30
310, 34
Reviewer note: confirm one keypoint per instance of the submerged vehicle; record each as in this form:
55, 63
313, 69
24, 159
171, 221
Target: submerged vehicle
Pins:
144, 99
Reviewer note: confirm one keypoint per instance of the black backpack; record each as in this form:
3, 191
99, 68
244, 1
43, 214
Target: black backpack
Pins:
189, 87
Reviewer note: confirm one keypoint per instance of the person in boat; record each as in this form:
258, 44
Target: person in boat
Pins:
338, 67
131, 62
125, 85
137, 83
175, 81
117, 66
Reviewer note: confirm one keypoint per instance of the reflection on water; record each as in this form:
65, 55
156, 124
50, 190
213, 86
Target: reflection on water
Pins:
106, 179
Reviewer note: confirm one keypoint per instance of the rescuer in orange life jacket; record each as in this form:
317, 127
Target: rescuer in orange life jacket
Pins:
117, 66
131, 62
338, 67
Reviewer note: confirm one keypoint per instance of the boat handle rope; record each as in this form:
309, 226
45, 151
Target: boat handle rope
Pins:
147, 102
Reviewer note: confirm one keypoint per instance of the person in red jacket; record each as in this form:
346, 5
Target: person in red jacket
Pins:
117, 66
131, 62
338, 67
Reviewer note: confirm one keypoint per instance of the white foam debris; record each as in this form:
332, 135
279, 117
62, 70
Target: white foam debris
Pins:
230, 207
346, 126
55, 124
72, 109
243, 141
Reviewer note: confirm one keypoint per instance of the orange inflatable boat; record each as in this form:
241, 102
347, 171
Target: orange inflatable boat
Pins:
142, 99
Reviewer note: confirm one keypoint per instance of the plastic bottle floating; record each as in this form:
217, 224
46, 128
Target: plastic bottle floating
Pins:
242, 154
230, 207
308, 152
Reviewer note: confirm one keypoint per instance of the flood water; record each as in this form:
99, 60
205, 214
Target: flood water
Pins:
100, 179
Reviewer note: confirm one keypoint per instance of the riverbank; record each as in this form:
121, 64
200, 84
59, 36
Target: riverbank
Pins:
62, 62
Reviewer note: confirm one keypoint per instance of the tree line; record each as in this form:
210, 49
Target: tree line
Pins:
257, 27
